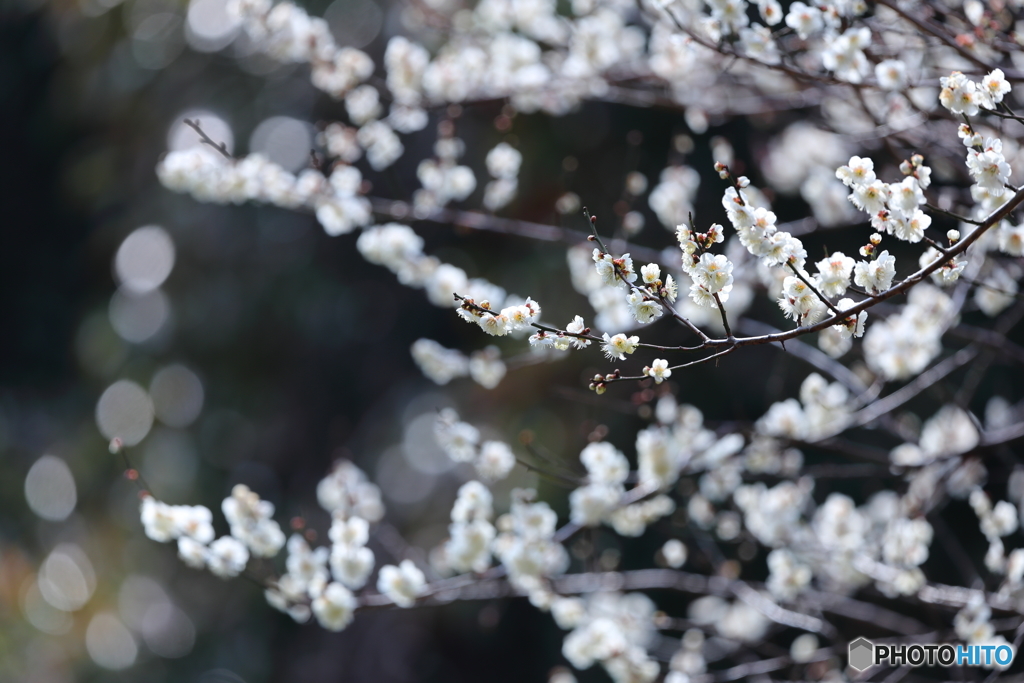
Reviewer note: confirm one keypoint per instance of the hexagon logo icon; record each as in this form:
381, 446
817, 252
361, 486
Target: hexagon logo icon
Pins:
862, 654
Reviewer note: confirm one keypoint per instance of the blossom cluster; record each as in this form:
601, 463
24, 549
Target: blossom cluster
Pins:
731, 483
208, 176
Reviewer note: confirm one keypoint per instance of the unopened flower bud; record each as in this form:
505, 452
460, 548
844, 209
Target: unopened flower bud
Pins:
875, 239
116, 444
953, 236
743, 181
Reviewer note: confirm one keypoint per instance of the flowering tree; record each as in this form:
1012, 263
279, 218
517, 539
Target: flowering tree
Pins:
902, 151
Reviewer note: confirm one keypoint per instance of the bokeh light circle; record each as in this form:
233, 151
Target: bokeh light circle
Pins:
50, 489
177, 395
110, 644
125, 411
144, 259
283, 140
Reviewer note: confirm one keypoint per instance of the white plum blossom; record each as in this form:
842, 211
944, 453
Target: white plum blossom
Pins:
346, 491
658, 370
643, 308
227, 556
711, 61
619, 345
712, 275
402, 584
875, 276
891, 74
799, 302
674, 553
834, 274
859, 171
503, 161
852, 326
804, 19
335, 607
495, 460
251, 522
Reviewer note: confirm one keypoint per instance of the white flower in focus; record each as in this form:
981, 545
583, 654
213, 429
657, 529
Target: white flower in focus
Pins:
614, 271
496, 324
994, 85
799, 302
576, 327
713, 272
989, 167
860, 171
644, 310
852, 326
403, 584
960, 95
871, 198
618, 346
905, 196
834, 274
910, 229
658, 370
875, 276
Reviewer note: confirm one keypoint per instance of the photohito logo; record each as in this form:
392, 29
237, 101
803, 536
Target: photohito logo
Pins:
863, 654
